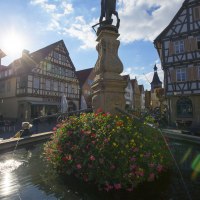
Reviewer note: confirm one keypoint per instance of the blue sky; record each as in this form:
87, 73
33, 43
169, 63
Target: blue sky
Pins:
34, 24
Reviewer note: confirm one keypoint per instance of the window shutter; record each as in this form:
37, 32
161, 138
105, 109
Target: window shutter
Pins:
195, 73
187, 45
171, 48
196, 13
193, 44
173, 75
189, 72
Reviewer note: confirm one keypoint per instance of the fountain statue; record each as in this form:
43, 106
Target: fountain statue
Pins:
109, 86
108, 7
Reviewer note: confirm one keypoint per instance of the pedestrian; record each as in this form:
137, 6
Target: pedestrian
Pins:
25, 131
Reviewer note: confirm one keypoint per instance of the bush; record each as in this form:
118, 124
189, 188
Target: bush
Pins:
113, 152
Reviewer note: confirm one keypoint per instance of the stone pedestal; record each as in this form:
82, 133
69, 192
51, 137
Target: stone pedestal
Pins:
108, 88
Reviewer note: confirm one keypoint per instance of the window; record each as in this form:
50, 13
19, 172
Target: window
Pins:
196, 13
179, 46
48, 85
90, 82
2, 87
184, 107
36, 83
62, 87
55, 86
8, 86
181, 74
56, 55
22, 82
49, 67
198, 42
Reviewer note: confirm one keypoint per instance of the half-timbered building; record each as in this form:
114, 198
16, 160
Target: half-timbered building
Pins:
179, 49
34, 84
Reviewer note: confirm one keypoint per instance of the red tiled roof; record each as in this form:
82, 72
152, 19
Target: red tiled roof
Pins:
83, 75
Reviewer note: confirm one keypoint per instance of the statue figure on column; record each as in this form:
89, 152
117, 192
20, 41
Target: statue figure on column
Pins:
108, 8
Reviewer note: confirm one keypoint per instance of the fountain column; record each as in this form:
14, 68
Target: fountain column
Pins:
108, 88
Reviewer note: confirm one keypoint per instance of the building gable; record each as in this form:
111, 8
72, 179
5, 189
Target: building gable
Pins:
184, 21
54, 60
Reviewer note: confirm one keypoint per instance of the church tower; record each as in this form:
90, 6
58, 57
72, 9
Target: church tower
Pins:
156, 83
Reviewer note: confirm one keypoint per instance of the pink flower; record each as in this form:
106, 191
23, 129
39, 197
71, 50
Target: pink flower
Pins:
112, 167
117, 186
147, 155
85, 178
129, 189
78, 166
151, 165
54, 128
139, 173
135, 149
133, 159
93, 135
159, 168
108, 187
106, 140
132, 167
151, 177
92, 158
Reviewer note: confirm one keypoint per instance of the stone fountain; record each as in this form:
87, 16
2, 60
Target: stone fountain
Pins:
108, 88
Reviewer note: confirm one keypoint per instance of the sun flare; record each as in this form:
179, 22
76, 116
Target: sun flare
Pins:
13, 43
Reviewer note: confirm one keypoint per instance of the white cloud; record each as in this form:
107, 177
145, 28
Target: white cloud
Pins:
44, 4
67, 7
140, 19
82, 31
144, 20
93, 9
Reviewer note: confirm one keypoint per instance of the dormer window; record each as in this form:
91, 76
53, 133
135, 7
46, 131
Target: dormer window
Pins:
196, 13
179, 46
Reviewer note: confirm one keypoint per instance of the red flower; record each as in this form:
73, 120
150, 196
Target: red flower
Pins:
119, 123
99, 110
117, 186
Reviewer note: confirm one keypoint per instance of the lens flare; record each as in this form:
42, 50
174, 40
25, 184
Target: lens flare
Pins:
196, 167
186, 155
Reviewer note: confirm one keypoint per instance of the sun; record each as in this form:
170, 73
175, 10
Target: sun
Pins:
13, 43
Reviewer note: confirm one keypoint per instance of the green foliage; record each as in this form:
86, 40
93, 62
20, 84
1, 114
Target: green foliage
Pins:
114, 152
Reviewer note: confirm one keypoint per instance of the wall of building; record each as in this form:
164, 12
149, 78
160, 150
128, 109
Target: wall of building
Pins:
196, 110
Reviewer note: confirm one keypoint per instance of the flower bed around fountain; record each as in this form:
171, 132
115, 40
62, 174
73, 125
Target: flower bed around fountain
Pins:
113, 152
